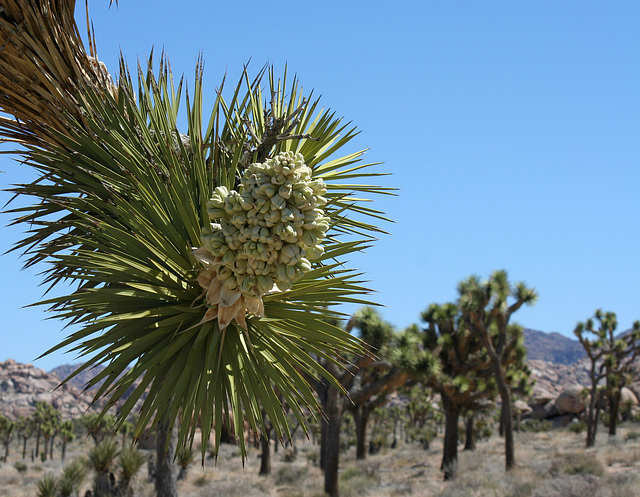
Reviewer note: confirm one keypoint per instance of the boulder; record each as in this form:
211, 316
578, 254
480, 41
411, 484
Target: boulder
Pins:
570, 400
628, 398
523, 407
562, 421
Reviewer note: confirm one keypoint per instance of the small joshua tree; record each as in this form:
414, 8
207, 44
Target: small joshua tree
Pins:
611, 358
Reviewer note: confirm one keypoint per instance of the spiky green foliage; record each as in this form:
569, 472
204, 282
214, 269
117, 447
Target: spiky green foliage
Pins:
47, 486
119, 207
102, 456
73, 474
130, 461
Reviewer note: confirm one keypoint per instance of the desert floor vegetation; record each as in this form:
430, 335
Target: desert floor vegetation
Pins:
550, 464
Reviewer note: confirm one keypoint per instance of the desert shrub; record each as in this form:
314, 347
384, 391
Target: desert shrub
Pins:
626, 456
576, 463
536, 425
623, 484
350, 473
289, 454
574, 485
355, 482
312, 456
289, 474
632, 435
401, 489
578, 426
20, 467
483, 429
201, 481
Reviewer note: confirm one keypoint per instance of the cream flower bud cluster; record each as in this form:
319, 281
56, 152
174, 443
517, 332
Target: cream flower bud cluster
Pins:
264, 236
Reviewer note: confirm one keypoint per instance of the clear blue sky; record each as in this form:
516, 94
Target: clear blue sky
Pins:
511, 129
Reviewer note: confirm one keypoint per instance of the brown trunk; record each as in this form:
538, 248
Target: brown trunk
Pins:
361, 416
265, 455
38, 442
470, 435
331, 441
165, 471
591, 420
614, 407
102, 485
507, 421
450, 449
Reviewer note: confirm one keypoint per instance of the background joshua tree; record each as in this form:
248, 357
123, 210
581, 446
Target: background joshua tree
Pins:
611, 358
67, 434
487, 307
25, 428
128, 208
390, 374
463, 375
7, 432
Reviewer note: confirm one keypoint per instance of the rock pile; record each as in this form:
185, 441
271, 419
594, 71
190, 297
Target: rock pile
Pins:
23, 385
559, 392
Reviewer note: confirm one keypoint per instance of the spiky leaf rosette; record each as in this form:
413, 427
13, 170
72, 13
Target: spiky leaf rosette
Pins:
119, 208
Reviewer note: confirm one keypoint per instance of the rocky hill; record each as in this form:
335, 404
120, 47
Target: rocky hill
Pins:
23, 385
552, 347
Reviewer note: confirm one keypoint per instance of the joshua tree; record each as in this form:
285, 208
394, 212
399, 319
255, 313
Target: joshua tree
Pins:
100, 427
487, 307
378, 334
611, 358
208, 259
25, 428
102, 460
130, 460
463, 375
391, 373
73, 474
47, 421
7, 431
67, 434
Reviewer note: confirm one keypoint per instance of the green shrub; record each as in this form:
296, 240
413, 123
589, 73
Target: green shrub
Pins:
20, 467
576, 463
578, 426
536, 425
570, 486
355, 482
289, 474
632, 435
201, 481
351, 472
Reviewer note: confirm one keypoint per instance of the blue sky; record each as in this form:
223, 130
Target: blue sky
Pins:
510, 129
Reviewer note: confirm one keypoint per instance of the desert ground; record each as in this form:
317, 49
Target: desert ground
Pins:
549, 464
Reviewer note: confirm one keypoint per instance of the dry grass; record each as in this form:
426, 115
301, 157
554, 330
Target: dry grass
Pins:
550, 464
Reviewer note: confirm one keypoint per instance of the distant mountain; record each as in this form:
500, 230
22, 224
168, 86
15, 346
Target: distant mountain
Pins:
552, 347
80, 381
